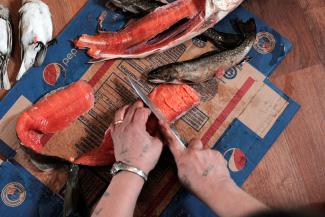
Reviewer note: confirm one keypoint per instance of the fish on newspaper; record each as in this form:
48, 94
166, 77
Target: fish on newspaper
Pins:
165, 27
5, 47
205, 67
35, 29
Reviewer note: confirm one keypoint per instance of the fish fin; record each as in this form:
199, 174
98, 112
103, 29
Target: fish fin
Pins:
245, 60
96, 61
53, 41
202, 37
41, 54
42, 166
244, 28
100, 20
73, 199
72, 191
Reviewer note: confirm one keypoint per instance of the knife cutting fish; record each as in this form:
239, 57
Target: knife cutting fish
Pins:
154, 109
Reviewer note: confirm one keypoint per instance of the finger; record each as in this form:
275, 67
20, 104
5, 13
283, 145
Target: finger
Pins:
119, 115
195, 144
141, 116
176, 148
130, 112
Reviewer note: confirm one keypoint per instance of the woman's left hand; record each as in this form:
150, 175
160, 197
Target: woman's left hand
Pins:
132, 143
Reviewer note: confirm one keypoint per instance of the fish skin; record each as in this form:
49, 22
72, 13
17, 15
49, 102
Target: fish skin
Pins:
203, 68
132, 41
36, 29
5, 46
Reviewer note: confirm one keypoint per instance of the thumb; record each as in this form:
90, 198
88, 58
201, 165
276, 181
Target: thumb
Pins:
174, 146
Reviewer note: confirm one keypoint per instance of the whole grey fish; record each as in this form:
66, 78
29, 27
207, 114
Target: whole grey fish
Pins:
36, 29
204, 68
5, 46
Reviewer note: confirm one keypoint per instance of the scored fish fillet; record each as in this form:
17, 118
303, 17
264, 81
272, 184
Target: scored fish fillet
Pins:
174, 100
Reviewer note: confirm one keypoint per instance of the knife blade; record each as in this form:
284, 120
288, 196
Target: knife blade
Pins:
136, 87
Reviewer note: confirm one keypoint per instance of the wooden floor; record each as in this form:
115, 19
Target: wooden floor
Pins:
293, 172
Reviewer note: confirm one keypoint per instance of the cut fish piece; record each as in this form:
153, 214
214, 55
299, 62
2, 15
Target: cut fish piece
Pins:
174, 100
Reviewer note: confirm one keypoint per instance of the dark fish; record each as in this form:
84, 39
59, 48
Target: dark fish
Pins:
74, 202
73, 199
137, 7
204, 68
222, 41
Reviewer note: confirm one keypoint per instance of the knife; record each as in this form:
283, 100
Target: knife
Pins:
154, 109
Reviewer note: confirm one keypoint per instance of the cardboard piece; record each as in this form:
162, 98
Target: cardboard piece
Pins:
246, 106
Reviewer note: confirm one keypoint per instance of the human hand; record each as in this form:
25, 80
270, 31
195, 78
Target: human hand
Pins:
200, 170
132, 143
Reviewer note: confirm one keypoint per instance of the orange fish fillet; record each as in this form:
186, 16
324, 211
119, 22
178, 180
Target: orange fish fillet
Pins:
174, 100
53, 113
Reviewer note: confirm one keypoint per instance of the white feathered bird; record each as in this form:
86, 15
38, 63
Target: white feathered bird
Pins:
36, 31
5, 46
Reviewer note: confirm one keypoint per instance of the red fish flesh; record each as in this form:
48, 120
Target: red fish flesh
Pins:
54, 113
165, 27
174, 100
101, 156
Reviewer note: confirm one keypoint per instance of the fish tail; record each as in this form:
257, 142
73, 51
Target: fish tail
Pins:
72, 191
245, 28
4, 79
74, 201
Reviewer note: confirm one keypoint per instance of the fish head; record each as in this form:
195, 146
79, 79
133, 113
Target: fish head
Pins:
4, 12
162, 75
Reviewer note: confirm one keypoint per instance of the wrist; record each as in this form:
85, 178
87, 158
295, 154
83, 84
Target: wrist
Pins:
129, 177
139, 164
121, 166
230, 200
216, 193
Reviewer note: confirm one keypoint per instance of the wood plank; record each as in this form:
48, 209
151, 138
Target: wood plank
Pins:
288, 19
316, 24
311, 4
278, 184
298, 175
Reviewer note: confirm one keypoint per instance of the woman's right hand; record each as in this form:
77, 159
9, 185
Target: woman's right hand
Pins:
205, 173
199, 169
